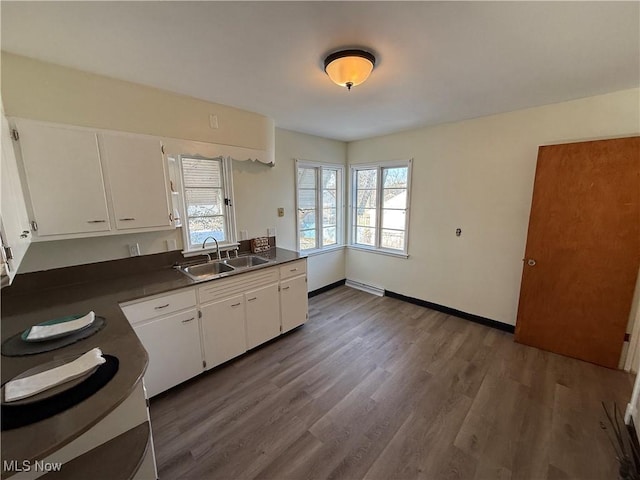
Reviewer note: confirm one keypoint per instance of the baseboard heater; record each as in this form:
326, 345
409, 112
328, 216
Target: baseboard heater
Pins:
365, 288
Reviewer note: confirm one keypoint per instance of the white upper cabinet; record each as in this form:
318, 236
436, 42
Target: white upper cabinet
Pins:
64, 177
137, 180
15, 232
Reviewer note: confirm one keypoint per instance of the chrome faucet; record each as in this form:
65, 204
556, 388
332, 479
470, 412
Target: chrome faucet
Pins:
217, 248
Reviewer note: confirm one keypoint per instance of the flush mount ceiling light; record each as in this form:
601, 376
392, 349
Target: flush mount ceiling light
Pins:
348, 68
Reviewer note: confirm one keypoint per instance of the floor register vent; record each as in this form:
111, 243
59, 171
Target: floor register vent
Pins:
365, 288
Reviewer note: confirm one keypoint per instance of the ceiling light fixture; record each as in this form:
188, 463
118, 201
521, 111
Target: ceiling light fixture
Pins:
349, 68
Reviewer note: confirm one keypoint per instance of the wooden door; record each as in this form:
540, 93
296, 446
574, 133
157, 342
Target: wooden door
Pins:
583, 250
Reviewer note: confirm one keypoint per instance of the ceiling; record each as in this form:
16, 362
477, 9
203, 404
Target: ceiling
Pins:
437, 61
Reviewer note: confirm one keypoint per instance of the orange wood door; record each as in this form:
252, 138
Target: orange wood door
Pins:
583, 250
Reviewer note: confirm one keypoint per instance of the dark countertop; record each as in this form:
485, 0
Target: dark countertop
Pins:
26, 306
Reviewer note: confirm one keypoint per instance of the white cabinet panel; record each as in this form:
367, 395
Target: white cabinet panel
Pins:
223, 330
137, 181
293, 302
263, 315
64, 175
15, 230
173, 345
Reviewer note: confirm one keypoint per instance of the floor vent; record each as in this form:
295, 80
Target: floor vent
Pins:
365, 288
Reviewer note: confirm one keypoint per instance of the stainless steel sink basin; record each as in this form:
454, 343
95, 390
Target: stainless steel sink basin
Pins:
206, 270
246, 262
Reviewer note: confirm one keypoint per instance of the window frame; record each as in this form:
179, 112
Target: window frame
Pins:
340, 196
379, 166
226, 176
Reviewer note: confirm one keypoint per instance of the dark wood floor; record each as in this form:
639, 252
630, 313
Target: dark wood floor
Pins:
377, 388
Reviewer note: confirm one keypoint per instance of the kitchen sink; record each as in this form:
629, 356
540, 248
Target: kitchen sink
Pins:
245, 262
220, 268
206, 270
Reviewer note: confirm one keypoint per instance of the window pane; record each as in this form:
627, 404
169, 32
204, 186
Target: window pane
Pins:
199, 172
307, 239
329, 178
392, 239
366, 236
366, 178
307, 178
329, 217
329, 236
204, 202
394, 177
329, 198
366, 199
306, 198
394, 219
307, 218
366, 217
394, 198
201, 228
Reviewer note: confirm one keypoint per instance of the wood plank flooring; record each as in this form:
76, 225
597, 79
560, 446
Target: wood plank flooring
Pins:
377, 388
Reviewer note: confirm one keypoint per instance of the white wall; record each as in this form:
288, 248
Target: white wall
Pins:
478, 175
43, 91
260, 190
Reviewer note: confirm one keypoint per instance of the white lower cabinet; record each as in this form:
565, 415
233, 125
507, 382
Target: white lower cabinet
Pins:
173, 345
223, 330
263, 315
193, 329
293, 302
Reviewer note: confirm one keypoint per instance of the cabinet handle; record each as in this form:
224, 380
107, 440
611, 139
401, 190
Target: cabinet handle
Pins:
188, 320
252, 299
237, 304
128, 219
285, 288
293, 270
161, 307
96, 221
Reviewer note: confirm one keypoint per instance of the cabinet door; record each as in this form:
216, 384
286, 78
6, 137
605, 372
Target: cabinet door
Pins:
223, 330
137, 181
263, 315
16, 233
293, 302
64, 177
173, 345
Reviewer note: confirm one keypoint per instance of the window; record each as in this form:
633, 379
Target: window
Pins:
319, 195
380, 205
206, 185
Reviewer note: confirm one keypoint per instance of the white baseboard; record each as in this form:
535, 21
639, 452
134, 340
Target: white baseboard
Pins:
365, 288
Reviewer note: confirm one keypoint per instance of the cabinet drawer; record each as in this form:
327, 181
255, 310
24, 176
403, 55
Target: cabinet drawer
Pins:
293, 269
160, 305
238, 284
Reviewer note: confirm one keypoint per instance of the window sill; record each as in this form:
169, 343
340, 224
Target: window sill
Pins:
379, 251
320, 251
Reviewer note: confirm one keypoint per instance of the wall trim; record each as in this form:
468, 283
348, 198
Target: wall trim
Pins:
505, 327
326, 288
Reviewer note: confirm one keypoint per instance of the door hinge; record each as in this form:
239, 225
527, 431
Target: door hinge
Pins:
15, 135
162, 148
307, 315
204, 364
280, 328
34, 225
8, 253
199, 313
279, 288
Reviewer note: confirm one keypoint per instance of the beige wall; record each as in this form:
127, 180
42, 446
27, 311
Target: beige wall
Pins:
478, 175
43, 91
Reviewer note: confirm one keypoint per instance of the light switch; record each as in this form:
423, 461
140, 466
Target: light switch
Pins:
281, 212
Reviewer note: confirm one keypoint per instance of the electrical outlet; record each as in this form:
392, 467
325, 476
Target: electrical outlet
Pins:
213, 121
244, 235
271, 232
281, 212
171, 245
134, 250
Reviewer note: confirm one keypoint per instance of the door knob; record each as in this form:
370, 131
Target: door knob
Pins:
531, 262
